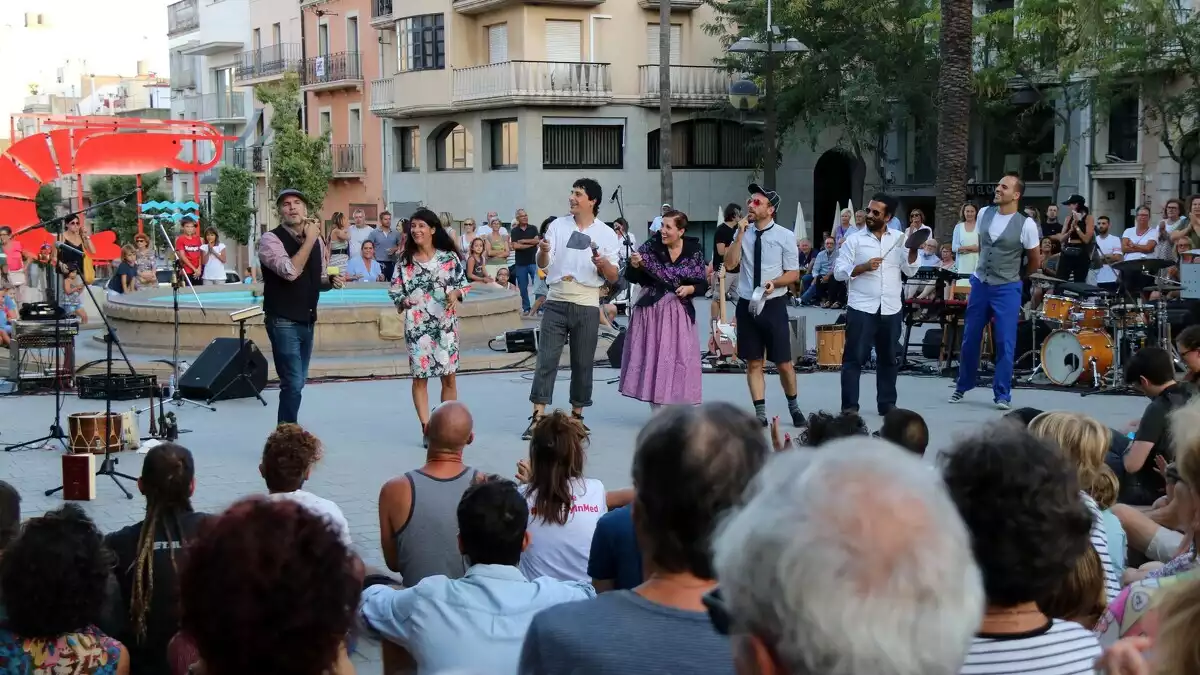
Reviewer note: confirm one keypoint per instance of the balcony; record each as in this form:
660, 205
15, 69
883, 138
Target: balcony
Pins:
676, 5
267, 64
481, 6
327, 72
382, 15
183, 17
347, 160
183, 79
216, 108
532, 83
212, 47
252, 158
691, 86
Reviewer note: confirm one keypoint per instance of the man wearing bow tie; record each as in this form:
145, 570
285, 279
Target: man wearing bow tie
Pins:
870, 263
769, 261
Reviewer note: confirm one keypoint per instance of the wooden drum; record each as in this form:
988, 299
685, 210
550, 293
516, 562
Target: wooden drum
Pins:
86, 432
831, 343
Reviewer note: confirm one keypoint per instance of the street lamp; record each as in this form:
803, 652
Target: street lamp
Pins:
740, 97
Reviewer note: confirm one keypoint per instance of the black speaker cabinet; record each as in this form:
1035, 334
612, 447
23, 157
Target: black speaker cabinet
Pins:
211, 377
616, 350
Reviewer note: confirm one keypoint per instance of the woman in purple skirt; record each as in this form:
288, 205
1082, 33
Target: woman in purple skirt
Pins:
661, 361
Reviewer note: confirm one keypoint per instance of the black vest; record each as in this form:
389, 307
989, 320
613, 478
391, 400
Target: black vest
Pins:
294, 300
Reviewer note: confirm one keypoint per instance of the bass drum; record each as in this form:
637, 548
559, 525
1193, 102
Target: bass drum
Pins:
1067, 356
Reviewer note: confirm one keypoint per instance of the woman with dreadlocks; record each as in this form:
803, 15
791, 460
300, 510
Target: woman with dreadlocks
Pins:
148, 553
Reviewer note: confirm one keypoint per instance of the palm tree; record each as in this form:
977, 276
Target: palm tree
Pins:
666, 183
954, 112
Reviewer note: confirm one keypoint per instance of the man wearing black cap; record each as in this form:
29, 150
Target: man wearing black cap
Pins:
292, 258
1076, 239
770, 263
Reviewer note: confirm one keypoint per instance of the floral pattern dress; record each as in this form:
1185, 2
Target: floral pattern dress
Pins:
88, 652
430, 327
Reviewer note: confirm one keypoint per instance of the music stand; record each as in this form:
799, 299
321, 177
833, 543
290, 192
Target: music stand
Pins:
241, 317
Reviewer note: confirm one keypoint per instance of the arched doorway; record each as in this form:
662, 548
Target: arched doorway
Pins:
833, 184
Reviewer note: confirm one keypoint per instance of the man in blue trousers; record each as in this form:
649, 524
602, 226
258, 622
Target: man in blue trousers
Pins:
1005, 237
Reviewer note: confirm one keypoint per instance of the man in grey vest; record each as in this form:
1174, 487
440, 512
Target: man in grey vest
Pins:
1004, 238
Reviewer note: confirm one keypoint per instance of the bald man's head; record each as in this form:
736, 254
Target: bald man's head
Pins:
450, 428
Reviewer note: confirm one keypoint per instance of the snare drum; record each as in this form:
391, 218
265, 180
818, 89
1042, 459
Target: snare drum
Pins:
87, 432
1067, 356
1058, 308
1093, 316
831, 344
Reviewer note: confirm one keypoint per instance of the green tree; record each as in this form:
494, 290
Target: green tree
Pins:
232, 211
48, 198
869, 65
122, 216
297, 160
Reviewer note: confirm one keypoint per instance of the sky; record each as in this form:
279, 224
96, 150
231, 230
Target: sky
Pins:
112, 41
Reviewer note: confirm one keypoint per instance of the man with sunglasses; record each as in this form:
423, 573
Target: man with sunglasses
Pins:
1005, 237
770, 264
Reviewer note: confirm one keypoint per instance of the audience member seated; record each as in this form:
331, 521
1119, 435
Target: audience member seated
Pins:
1083, 441
53, 579
1134, 613
1161, 533
478, 621
418, 527
615, 561
691, 464
287, 604
287, 462
906, 429
1151, 371
848, 560
1118, 442
1082, 597
564, 506
1188, 344
1020, 500
148, 554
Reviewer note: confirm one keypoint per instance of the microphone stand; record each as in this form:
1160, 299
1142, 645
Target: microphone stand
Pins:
628, 290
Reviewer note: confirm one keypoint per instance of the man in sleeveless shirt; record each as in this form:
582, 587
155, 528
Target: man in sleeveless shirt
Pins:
292, 258
1004, 238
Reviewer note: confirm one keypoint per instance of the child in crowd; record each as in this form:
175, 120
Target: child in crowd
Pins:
906, 429
72, 300
8, 313
125, 279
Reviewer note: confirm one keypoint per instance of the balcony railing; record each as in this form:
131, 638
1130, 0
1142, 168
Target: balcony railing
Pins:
331, 71
381, 13
547, 82
683, 5
690, 85
347, 159
268, 62
215, 107
182, 17
252, 158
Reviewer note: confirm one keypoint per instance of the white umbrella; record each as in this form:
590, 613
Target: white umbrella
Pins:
800, 227
837, 219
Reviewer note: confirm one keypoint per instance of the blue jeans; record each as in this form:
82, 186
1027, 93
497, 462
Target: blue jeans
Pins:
291, 348
864, 331
1001, 305
525, 274
805, 283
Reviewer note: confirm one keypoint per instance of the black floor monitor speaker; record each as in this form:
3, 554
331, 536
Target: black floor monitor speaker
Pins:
616, 350
210, 375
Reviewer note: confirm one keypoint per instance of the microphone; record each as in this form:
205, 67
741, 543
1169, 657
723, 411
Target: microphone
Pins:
613, 198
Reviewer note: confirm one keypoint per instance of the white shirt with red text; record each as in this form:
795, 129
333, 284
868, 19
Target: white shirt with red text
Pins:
561, 551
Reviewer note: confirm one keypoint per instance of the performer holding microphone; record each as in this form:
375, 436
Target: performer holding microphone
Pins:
1004, 237
870, 262
1076, 240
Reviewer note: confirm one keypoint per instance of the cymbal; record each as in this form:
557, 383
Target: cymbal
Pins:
1146, 265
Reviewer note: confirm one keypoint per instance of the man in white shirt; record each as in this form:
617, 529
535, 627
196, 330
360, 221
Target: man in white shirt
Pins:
1138, 243
769, 261
1004, 237
579, 255
656, 224
359, 233
1108, 246
871, 262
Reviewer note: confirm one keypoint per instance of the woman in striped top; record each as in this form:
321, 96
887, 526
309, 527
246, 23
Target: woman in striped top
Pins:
1019, 497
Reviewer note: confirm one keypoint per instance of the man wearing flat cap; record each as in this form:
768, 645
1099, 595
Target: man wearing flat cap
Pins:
292, 258
770, 263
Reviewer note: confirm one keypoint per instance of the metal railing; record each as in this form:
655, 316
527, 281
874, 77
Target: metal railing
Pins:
347, 158
211, 107
688, 83
532, 80
332, 68
269, 61
182, 17
382, 94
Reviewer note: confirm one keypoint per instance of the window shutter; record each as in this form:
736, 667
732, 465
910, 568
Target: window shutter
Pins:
563, 41
652, 43
498, 43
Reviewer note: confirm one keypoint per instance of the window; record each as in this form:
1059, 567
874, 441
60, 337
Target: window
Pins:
563, 41
504, 144
652, 38
352, 34
355, 130
326, 122
708, 144
256, 39
1123, 130
276, 34
323, 38
582, 146
407, 148
455, 150
1022, 141
497, 37
420, 43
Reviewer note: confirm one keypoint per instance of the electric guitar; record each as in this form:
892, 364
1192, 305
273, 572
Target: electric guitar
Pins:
722, 341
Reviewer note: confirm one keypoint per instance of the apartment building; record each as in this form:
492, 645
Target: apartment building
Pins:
495, 105
342, 54
206, 40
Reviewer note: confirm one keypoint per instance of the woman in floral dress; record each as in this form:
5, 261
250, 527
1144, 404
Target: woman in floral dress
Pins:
429, 284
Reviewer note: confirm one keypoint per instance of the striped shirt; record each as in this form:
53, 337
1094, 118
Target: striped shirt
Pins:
1099, 537
1062, 648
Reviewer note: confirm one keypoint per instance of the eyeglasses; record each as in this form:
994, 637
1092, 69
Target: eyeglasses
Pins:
718, 611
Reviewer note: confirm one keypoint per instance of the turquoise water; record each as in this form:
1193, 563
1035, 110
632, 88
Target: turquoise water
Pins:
333, 298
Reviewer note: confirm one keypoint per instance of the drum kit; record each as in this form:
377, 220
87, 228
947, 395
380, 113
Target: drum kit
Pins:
1094, 329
